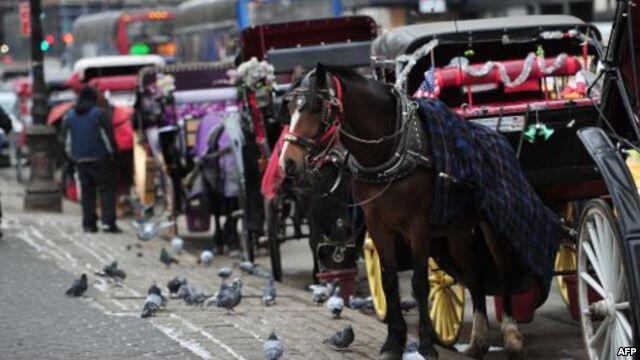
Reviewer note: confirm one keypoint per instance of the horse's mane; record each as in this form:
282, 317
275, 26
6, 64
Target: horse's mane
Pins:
353, 76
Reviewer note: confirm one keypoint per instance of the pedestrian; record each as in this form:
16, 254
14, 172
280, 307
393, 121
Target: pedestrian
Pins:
90, 144
6, 125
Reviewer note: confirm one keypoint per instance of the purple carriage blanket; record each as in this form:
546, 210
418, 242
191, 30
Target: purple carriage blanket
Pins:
490, 181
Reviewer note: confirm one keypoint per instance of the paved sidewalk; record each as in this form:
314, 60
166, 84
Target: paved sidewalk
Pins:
208, 333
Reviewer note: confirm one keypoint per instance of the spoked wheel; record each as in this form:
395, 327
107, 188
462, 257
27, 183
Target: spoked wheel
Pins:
446, 297
567, 258
374, 276
603, 294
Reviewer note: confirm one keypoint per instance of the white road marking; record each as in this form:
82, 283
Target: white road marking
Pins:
190, 345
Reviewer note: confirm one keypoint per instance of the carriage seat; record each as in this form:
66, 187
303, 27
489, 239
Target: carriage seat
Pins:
452, 76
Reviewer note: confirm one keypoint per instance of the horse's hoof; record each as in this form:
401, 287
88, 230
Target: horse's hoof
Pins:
391, 355
513, 341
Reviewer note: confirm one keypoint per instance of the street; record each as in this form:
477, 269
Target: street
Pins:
41, 254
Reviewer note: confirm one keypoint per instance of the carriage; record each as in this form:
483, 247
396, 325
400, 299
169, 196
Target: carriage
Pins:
191, 150
538, 80
289, 48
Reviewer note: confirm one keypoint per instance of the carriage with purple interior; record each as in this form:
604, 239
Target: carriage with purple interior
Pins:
560, 98
190, 147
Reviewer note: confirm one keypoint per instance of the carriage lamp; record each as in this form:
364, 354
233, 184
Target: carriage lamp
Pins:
537, 130
469, 53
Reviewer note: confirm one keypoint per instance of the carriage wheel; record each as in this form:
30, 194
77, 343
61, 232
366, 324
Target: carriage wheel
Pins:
446, 297
567, 258
374, 275
603, 294
272, 220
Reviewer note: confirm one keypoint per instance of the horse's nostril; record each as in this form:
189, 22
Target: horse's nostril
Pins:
290, 168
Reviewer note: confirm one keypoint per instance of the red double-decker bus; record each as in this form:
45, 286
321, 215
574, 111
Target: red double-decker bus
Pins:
135, 32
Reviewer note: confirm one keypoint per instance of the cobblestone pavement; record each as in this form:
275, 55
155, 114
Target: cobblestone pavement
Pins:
46, 251
62, 252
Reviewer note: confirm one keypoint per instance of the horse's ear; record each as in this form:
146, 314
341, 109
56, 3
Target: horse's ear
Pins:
321, 77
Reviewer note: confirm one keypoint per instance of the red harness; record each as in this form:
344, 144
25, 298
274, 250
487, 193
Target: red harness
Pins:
333, 119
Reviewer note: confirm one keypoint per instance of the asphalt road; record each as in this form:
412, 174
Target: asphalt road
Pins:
37, 321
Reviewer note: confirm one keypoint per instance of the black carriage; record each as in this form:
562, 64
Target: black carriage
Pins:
288, 49
538, 80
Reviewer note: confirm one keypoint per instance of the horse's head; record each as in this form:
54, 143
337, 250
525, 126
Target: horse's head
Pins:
315, 107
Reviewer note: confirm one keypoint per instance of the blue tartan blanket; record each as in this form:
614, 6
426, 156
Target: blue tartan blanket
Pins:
491, 182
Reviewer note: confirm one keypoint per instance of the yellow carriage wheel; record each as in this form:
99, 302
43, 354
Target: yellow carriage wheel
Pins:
374, 276
566, 260
447, 305
446, 296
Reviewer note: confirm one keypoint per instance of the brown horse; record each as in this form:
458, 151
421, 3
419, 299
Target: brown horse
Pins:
365, 116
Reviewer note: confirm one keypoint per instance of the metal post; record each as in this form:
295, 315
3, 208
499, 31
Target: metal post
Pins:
41, 192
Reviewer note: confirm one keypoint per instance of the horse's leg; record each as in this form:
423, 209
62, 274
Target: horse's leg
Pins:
463, 250
384, 242
512, 339
420, 240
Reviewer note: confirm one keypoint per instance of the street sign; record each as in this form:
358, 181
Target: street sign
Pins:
25, 18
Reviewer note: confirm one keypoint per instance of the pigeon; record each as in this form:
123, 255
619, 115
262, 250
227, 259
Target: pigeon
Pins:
247, 267
357, 303
154, 302
407, 305
225, 273
190, 295
269, 293
273, 348
411, 352
166, 258
342, 339
178, 244
79, 286
174, 284
335, 303
148, 230
112, 271
206, 257
230, 297
321, 292
144, 213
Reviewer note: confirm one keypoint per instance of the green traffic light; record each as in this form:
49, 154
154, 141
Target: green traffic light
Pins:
139, 49
44, 45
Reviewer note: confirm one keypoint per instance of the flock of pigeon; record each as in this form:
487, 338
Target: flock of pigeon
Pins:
229, 296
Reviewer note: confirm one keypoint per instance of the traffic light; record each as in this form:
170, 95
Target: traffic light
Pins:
44, 45
67, 38
139, 49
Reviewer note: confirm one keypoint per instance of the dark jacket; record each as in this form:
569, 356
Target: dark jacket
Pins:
5, 122
88, 136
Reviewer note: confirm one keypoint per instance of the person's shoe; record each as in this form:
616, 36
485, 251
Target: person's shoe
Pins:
90, 229
113, 229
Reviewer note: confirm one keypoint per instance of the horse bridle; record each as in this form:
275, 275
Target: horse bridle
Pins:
331, 116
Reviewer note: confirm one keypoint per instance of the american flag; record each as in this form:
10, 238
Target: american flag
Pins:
429, 87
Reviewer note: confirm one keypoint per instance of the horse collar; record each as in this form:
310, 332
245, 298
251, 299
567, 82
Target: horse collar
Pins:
410, 150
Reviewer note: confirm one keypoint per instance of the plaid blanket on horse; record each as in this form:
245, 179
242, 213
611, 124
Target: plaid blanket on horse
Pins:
485, 175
